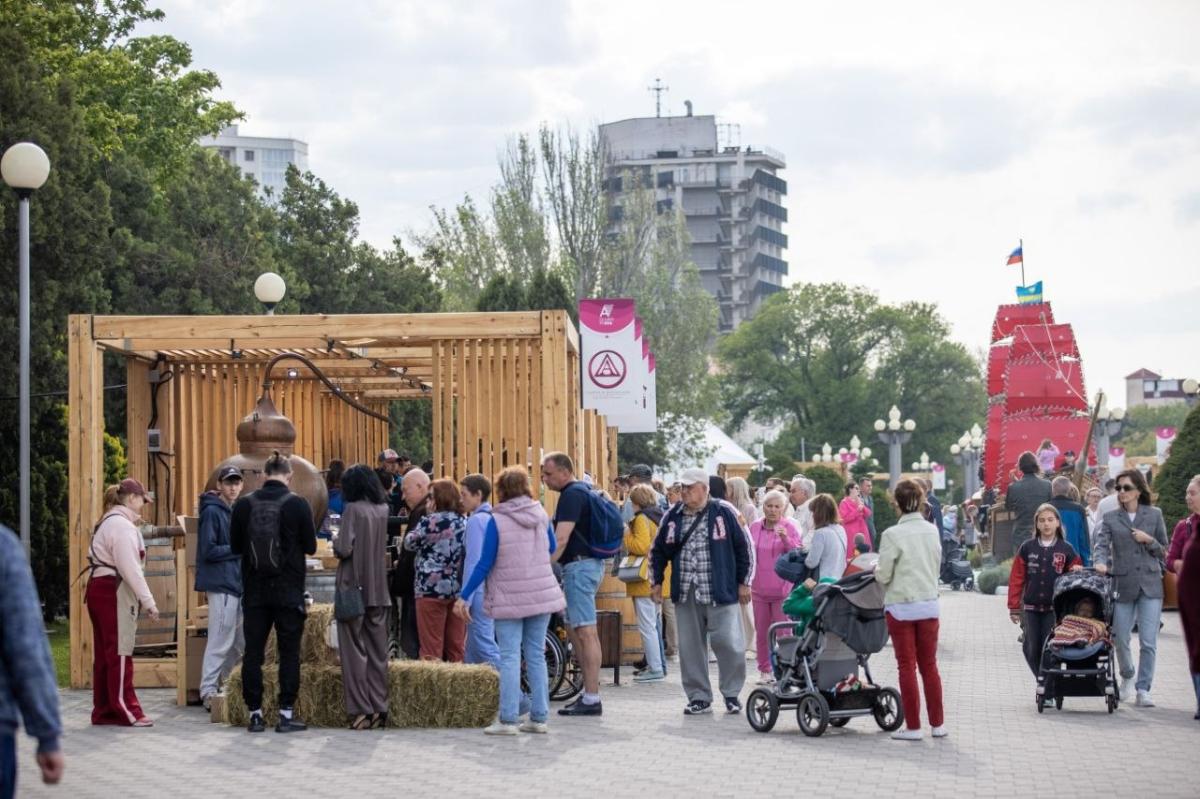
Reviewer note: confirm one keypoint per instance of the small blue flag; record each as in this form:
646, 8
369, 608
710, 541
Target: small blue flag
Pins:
1029, 294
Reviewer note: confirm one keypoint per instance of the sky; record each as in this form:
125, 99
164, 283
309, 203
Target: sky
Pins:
923, 139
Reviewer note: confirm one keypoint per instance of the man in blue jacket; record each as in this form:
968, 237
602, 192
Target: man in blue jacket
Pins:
711, 571
27, 684
219, 574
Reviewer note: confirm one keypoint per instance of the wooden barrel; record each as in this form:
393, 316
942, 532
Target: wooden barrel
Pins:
611, 596
160, 577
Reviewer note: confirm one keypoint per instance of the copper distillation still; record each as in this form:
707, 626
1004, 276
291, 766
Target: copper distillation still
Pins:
266, 430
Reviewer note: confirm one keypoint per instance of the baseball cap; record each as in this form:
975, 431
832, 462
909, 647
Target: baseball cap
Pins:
693, 476
229, 473
131, 486
388, 456
642, 471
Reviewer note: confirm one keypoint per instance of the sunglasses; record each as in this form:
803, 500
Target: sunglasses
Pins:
1126, 487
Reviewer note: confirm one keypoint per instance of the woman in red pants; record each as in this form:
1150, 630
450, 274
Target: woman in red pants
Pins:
115, 592
910, 554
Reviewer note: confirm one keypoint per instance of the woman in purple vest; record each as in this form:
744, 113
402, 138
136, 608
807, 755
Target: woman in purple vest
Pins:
520, 594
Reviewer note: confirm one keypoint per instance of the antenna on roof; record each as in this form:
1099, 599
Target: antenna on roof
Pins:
658, 90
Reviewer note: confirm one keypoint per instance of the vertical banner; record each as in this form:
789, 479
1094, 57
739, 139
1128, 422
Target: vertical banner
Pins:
612, 363
937, 476
1116, 460
1163, 436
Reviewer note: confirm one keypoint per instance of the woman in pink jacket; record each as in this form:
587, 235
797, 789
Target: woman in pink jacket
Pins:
772, 535
116, 590
854, 512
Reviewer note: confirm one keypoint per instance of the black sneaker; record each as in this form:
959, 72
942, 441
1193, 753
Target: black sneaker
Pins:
697, 708
256, 723
732, 705
578, 708
290, 725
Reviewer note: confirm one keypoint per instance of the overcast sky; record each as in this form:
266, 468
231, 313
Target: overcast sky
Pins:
923, 139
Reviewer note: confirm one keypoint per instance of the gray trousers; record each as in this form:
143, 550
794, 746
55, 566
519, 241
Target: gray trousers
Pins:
363, 651
718, 625
226, 641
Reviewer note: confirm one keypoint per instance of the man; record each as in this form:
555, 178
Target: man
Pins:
219, 574
272, 529
710, 560
1074, 518
389, 461
640, 474
935, 508
414, 492
865, 487
800, 493
27, 683
481, 630
1023, 498
582, 574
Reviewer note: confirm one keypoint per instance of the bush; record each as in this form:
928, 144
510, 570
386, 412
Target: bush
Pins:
976, 559
994, 576
828, 481
1171, 481
885, 509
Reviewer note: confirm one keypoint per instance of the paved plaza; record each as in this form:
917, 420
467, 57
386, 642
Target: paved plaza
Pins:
998, 745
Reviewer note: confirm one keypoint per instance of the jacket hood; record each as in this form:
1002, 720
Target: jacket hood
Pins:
211, 499
524, 511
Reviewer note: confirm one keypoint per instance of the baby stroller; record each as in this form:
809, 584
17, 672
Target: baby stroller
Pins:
1081, 670
818, 672
956, 570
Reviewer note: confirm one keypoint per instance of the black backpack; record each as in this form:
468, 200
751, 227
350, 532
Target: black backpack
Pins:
265, 552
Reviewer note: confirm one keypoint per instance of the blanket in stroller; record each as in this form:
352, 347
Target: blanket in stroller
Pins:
1079, 631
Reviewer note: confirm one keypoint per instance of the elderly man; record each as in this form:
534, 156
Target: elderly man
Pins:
414, 491
711, 572
800, 494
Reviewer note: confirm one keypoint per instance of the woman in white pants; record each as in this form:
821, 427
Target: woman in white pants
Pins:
639, 537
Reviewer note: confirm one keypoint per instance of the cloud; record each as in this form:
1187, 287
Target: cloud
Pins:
1163, 110
1093, 204
1187, 208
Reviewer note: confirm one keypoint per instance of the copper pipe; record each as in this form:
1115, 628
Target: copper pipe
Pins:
337, 391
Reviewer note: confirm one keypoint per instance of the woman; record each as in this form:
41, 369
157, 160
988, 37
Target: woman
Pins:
1131, 544
639, 536
718, 489
827, 556
361, 548
520, 594
854, 514
437, 541
116, 590
1038, 563
333, 484
910, 555
1047, 455
1184, 560
739, 495
1093, 497
772, 535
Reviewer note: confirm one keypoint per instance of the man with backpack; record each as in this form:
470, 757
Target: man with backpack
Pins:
589, 530
272, 529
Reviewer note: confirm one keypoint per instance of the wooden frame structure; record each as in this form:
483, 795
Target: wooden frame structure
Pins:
504, 389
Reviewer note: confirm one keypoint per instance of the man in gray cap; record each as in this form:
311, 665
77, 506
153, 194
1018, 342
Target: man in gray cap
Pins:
711, 572
641, 474
219, 574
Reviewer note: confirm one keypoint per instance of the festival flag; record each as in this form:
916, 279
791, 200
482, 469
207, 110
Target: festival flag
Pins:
1029, 294
1163, 437
1016, 256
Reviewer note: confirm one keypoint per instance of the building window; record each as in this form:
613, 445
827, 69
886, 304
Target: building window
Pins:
249, 155
666, 179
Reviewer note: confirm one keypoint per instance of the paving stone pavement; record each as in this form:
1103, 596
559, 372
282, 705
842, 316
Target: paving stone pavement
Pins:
999, 746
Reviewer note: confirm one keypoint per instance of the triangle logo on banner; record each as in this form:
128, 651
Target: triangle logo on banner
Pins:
607, 368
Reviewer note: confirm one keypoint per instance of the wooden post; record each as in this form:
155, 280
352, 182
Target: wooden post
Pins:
137, 420
555, 390
85, 477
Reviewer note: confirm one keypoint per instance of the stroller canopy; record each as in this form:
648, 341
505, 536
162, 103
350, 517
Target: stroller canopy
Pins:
852, 609
1074, 586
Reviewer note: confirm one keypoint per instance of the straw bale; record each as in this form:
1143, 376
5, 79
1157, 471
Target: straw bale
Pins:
313, 650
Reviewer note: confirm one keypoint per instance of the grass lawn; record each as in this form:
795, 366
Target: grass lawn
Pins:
60, 650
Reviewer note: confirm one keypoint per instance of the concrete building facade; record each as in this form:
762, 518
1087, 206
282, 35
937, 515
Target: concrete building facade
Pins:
263, 158
1145, 387
731, 197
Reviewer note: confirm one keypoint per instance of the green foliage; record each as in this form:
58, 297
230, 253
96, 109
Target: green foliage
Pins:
884, 508
1184, 463
412, 429
975, 557
828, 481
993, 577
116, 465
1137, 429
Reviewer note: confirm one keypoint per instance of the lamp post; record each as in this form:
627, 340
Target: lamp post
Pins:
269, 288
967, 451
894, 433
846, 455
1108, 424
1190, 389
25, 168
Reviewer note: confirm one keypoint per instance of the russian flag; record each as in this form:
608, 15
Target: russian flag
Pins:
1015, 257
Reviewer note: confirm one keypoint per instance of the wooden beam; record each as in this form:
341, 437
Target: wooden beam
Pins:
554, 389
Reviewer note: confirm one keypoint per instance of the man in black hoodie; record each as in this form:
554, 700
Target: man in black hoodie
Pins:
272, 529
219, 575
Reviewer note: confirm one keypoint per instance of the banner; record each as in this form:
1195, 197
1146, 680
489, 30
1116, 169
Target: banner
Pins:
614, 372
1116, 460
1029, 294
1163, 436
937, 476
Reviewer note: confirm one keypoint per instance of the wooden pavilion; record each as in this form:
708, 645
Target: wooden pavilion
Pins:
504, 389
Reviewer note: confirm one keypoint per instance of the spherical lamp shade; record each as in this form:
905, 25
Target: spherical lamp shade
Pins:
269, 288
880, 425
1191, 386
25, 166
915, 466
955, 449
893, 424
976, 431
1118, 413
866, 452
909, 425
894, 413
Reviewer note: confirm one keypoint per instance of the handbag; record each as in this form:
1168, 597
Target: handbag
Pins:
348, 603
633, 569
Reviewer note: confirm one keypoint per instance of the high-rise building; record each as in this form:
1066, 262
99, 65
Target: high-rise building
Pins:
263, 158
731, 197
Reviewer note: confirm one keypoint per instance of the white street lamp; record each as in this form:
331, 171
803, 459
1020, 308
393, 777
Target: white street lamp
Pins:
269, 288
880, 425
889, 432
25, 168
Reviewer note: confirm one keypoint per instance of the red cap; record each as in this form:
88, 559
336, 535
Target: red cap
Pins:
131, 486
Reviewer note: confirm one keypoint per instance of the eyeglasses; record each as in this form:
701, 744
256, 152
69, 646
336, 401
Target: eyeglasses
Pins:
1126, 487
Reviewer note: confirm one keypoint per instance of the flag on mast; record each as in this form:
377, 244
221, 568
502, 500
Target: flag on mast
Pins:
1029, 294
1016, 256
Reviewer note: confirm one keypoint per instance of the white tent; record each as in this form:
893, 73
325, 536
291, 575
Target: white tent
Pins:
722, 451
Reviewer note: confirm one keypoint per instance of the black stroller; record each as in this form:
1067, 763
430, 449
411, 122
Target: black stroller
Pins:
956, 570
1080, 670
814, 671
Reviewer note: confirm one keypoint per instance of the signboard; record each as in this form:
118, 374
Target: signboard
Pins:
1163, 436
937, 475
1116, 460
614, 367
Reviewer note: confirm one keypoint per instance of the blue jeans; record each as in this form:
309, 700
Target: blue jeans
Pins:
8, 766
481, 636
1147, 613
523, 636
581, 581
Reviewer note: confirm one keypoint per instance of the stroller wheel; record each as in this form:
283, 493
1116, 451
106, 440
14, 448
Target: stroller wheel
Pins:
1041, 703
813, 714
888, 712
1112, 703
762, 710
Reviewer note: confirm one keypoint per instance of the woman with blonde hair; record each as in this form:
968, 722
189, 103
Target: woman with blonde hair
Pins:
639, 537
739, 494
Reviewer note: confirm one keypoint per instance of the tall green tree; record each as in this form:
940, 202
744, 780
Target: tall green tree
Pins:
1183, 464
573, 168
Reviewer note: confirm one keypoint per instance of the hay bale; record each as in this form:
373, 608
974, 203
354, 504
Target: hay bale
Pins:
420, 694
313, 650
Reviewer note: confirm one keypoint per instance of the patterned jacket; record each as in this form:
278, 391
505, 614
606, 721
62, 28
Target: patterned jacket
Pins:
438, 543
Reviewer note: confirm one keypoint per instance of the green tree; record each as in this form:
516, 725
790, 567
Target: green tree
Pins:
502, 293
573, 168
1183, 464
1138, 426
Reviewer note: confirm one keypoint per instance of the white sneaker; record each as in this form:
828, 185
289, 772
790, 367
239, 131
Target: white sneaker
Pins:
907, 735
939, 732
500, 728
538, 727
1126, 689
1144, 700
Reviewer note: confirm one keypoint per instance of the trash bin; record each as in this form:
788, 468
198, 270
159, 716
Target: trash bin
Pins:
608, 628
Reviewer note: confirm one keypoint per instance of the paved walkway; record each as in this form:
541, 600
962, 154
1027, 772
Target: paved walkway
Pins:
998, 745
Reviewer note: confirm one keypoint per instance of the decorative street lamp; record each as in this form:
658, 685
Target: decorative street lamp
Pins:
1190, 389
924, 464
269, 289
1108, 424
25, 168
967, 452
894, 433
846, 455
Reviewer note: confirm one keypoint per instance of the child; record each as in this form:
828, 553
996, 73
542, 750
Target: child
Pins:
1038, 563
1080, 628
799, 605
